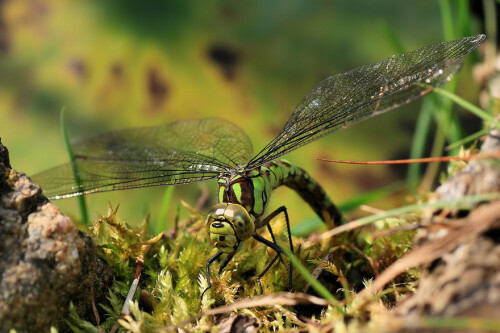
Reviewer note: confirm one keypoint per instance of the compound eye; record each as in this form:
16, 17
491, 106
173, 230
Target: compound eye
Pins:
216, 214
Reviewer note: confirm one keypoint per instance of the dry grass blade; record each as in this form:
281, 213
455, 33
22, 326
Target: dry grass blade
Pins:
465, 202
288, 299
468, 228
418, 160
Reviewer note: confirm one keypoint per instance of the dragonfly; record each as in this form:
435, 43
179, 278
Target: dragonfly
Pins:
190, 151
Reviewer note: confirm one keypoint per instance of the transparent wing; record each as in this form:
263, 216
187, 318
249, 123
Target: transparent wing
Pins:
364, 92
176, 153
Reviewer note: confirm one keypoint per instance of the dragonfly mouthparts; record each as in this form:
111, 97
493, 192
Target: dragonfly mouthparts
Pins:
217, 225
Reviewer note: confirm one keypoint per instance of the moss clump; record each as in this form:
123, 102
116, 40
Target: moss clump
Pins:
173, 275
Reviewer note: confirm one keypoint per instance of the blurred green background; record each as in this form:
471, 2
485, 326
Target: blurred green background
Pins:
116, 64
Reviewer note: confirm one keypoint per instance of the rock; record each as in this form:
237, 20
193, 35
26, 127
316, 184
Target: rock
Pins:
465, 280
478, 176
45, 261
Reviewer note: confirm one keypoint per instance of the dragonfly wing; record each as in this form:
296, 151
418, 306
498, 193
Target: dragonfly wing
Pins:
344, 99
176, 153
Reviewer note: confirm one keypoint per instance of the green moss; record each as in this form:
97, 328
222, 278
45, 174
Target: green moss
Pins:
173, 274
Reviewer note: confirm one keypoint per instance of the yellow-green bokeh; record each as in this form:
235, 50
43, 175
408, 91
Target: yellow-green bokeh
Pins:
116, 64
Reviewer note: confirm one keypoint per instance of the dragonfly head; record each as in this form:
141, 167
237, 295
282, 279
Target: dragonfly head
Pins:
229, 224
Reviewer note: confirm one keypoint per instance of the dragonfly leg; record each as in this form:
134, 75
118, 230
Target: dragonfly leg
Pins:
225, 262
209, 262
266, 221
278, 253
274, 240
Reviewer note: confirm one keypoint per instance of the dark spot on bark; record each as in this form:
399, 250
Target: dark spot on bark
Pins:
157, 88
78, 68
117, 71
225, 58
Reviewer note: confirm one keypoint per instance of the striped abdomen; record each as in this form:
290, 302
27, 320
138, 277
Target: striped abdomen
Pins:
252, 189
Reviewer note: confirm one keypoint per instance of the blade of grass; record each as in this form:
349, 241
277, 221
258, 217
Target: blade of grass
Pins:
443, 114
315, 284
161, 223
485, 116
82, 205
466, 202
447, 19
392, 37
469, 228
308, 226
364, 198
454, 132
417, 150
463, 18
467, 139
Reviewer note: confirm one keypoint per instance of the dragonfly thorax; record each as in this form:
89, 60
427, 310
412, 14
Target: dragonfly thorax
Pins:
250, 189
229, 224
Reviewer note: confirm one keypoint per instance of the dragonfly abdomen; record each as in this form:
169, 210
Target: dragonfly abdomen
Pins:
252, 190
309, 190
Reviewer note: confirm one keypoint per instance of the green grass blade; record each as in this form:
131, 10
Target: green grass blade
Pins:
307, 226
485, 116
161, 222
419, 141
467, 139
447, 19
445, 121
454, 131
394, 40
449, 127
466, 202
315, 284
364, 198
463, 18
310, 225
82, 206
